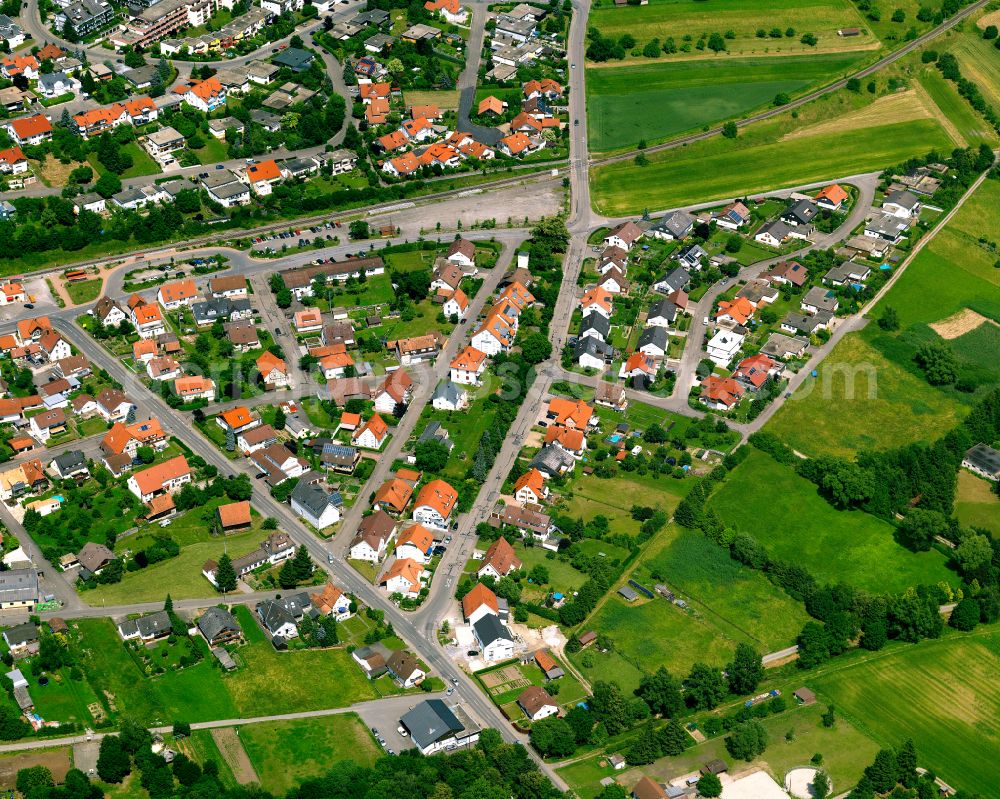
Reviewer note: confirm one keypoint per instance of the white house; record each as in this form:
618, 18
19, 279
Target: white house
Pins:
372, 434
724, 346
903, 204
435, 503
404, 577
456, 304
495, 640
449, 396
468, 367
317, 506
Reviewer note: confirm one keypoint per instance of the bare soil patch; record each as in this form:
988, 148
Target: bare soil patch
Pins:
993, 18
55, 760
965, 321
53, 172
235, 755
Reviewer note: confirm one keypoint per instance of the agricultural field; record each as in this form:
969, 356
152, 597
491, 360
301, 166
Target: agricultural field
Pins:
943, 694
679, 18
966, 125
787, 516
504, 686
976, 503
845, 749
978, 59
313, 745
655, 100
727, 604
777, 153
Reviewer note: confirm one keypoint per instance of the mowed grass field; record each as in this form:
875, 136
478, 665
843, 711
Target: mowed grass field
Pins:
943, 694
787, 516
312, 745
728, 604
677, 18
778, 153
976, 503
861, 399
655, 100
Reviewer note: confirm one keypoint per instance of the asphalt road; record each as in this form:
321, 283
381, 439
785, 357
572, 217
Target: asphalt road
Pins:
468, 80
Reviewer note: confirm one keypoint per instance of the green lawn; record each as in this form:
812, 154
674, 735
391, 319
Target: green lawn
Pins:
785, 513
862, 400
759, 160
63, 699
677, 18
142, 163
200, 746
84, 291
845, 749
312, 745
727, 604
181, 575
976, 503
214, 151
943, 694
563, 578
267, 682
654, 100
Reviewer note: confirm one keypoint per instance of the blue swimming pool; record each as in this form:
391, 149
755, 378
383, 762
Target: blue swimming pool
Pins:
59, 497
614, 438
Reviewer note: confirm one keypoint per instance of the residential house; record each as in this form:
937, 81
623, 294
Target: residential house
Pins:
495, 641
902, 204
984, 460
754, 371
163, 478
807, 324
611, 395
416, 543
733, 216
230, 286
456, 305
553, 461
113, 405
596, 326
800, 213
262, 176
662, 314
790, 272
449, 396
848, 273
22, 639
273, 371
237, 419
479, 602
174, 295
69, 464
499, 560
194, 387
653, 341
403, 577
219, 627
255, 438
206, 95
109, 313
339, 458
624, 235
372, 434
315, 504
308, 320
592, 352
372, 538
720, 393
536, 703
773, 233
30, 130
597, 300
277, 464
530, 487
418, 348
163, 367
47, 424
94, 557
675, 280
735, 312
332, 601
572, 414
468, 366
435, 727
831, 198
723, 347
434, 504
784, 347
234, 517
676, 225
146, 628
405, 668
395, 390
276, 620
820, 299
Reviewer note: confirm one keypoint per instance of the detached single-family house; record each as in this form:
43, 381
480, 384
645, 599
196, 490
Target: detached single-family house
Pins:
403, 577
316, 505
146, 628
219, 627
372, 538
723, 347
495, 641
902, 204
536, 703
434, 504
500, 560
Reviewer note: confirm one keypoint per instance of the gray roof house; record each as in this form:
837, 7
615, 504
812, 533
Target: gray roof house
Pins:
674, 280
276, 619
662, 314
553, 461
591, 347
219, 626
691, 256
781, 346
488, 629
295, 58
819, 298
221, 308
596, 325
435, 432
806, 323
801, 212
653, 341
984, 461
18, 588
448, 396
433, 726
316, 505
21, 637
155, 625
69, 463
675, 225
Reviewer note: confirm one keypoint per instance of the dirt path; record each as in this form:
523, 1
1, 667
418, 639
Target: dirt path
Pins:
235, 755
